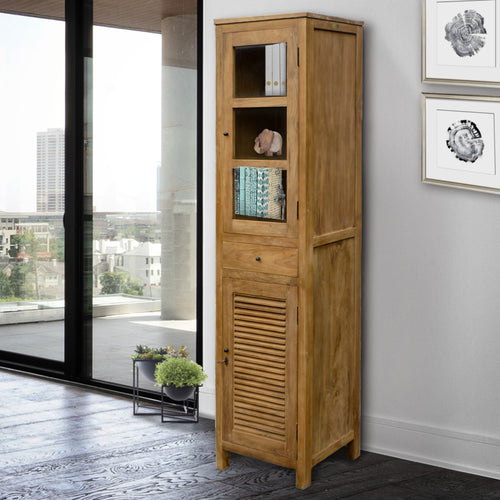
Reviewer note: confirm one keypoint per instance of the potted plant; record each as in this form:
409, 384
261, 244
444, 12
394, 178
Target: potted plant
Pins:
146, 358
180, 376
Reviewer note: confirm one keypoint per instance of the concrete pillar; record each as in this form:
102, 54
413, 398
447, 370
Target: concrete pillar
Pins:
178, 167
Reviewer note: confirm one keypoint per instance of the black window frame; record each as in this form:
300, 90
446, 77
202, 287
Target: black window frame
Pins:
77, 364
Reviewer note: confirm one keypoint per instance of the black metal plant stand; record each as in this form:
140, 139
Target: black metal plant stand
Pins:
182, 411
142, 404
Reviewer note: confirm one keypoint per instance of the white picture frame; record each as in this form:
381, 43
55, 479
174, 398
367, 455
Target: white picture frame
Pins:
460, 147
461, 42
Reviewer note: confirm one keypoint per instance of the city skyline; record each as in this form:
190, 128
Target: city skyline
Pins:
127, 111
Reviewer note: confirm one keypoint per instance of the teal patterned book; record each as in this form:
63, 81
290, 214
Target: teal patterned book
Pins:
243, 191
259, 192
262, 192
236, 172
251, 191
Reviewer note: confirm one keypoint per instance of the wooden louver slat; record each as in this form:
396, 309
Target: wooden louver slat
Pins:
259, 366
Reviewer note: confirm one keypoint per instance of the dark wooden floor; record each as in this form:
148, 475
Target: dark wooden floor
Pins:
59, 441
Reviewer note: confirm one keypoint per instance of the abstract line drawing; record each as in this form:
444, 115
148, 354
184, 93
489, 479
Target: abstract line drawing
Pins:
465, 141
466, 33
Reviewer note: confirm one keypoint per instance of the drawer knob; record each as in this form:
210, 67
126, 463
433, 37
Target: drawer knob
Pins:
257, 259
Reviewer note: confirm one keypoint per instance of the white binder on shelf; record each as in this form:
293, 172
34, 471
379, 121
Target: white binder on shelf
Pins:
269, 70
276, 69
282, 73
275, 55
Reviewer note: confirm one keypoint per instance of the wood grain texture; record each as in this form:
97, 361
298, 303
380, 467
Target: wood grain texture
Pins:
332, 130
260, 258
318, 246
259, 378
125, 14
334, 337
60, 441
298, 15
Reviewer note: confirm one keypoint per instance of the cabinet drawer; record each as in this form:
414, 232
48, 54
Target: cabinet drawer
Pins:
260, 258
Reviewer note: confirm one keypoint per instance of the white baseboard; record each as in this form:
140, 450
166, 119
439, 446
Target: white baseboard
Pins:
207, 402
465, 452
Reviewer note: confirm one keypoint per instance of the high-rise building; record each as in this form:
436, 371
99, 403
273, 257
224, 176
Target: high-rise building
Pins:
50, 171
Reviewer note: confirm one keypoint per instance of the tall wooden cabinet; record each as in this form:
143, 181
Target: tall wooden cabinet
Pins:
289, 109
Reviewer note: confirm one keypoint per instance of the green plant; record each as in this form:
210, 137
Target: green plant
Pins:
181, 353
179, 372
142, 352
6, 291
119, 282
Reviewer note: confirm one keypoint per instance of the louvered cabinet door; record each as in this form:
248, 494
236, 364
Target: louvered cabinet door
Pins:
259, 380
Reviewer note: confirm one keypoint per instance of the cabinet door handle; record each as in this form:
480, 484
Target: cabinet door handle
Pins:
225, 361
226, 133
257, 259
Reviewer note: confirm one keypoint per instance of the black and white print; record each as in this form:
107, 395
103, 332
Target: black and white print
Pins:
461, 42
465, 141
466, 33
460, 147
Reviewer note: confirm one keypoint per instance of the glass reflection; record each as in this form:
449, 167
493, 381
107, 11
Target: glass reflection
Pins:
32, 189
144, 188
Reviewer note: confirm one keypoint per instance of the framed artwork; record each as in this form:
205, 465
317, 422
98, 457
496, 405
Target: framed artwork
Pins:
461, 42
459, 145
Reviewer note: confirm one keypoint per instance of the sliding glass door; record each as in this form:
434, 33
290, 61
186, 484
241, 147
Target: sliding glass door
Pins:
99, 222
32, 190
144, 183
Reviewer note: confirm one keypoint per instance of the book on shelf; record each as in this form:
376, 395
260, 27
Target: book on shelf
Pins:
283, 68
276, 70
275, 65
269, 70
259, 192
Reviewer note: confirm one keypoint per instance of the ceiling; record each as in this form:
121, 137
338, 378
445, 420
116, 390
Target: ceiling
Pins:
144, 15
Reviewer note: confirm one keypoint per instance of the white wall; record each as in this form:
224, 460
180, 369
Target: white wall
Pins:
431, 263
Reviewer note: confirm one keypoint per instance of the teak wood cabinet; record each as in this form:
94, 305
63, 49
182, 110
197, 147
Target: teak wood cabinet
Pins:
288, 239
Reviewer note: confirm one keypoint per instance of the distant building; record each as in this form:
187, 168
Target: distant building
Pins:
144, 264
39, 229
105, 255
141, 261
50, 276
50, 171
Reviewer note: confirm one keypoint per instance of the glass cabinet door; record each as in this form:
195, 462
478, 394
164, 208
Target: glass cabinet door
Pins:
260, 133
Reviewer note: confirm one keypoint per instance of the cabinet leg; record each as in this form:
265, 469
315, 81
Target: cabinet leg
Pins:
222, 459
354, 448
303, 477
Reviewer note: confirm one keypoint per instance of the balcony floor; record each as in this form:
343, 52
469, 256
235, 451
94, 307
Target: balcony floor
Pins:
114, 341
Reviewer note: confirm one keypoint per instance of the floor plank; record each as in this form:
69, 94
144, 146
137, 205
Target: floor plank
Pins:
59, 441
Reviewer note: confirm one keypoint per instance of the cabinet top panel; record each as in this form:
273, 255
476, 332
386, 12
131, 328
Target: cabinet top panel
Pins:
286, 16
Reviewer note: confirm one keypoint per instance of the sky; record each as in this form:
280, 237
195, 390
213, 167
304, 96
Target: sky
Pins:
126, 103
